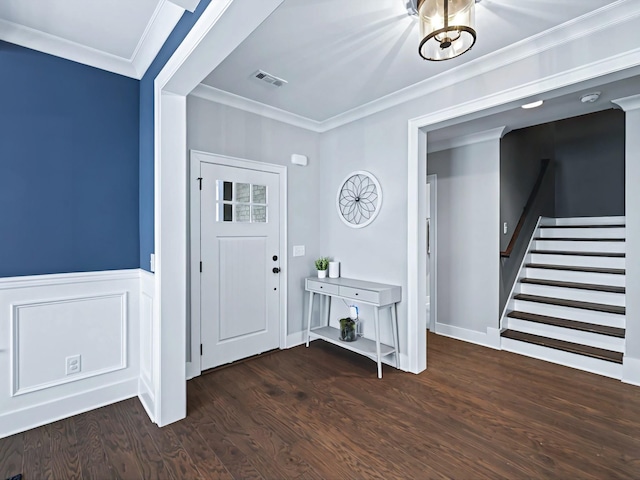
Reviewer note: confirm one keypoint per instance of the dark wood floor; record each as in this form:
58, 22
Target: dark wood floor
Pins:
322, 413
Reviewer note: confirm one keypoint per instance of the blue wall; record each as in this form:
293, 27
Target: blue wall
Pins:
69, 165
146, 129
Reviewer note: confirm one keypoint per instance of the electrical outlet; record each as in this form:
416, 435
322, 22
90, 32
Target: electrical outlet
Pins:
152, 262
504, 228
298, 250
73, 364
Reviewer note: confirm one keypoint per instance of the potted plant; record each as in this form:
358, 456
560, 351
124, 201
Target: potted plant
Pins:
321, 265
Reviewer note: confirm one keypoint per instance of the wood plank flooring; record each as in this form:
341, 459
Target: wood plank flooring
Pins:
321, 413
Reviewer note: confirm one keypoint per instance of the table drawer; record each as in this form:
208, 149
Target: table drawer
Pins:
359, 294
322, 287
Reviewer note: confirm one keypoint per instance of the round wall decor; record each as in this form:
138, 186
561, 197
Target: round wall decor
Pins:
359, 199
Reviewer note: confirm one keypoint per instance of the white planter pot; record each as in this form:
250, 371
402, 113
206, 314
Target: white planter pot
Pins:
322, 274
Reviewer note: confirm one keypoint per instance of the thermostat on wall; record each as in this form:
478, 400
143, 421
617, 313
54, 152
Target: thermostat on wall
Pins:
298, 159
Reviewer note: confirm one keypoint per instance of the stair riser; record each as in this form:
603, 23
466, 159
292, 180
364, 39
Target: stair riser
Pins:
577, 260
593, 365
610, 232
573, 294
581, 277
584, 221
569, 313
579, 246
568, 335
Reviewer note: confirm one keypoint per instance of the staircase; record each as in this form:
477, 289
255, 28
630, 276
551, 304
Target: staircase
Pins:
568, 303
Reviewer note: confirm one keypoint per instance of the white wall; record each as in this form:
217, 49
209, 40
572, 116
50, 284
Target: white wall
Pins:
224, 130
46, 318
468, 241
377, 252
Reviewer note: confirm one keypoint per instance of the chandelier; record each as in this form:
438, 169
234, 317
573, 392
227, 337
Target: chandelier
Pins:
446, 27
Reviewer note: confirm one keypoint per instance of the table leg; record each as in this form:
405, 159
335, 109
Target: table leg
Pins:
309, 316
329, 310
376, 321
394, 327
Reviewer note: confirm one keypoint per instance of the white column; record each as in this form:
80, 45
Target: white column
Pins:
631, 362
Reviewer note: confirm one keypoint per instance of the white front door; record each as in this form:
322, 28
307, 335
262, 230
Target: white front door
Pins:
240, 254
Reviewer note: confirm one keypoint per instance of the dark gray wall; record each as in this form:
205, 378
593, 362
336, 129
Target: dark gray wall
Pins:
521, 152
589, 155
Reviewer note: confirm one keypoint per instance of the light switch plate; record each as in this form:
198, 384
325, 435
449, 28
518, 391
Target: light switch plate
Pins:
152, 262
298, 250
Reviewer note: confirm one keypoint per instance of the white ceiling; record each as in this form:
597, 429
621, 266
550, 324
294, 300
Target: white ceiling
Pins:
339, 55
121, 36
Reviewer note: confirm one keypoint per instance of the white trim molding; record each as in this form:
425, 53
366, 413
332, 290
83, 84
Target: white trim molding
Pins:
160, 26
631, 371
186, 4
491, 338
462, 141
216, 95
628, 104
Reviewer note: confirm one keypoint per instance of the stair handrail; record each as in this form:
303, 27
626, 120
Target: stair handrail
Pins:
527, 207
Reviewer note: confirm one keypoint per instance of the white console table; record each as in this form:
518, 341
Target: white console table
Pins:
378, 295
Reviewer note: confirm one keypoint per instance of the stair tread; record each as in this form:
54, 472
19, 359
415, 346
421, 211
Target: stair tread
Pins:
577, 285
571, 324
598, 307
583, 254
616, 225
574, 268
594, 352
576, 239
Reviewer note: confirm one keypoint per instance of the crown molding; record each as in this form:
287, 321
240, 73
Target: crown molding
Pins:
186, 4
628, 104
603, 18
462, 141
59, 47
161, 24
213, 94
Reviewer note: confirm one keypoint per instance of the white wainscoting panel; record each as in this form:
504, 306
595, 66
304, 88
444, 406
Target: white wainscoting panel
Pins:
46, 333
46, 318
146, 389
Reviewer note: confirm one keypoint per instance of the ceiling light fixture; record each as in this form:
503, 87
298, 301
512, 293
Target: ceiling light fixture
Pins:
532, 104
446, 27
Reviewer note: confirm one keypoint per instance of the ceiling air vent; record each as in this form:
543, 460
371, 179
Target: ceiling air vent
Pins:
270, 79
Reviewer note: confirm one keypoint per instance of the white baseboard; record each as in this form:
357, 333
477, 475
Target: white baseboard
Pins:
37, 415
631, 370
296, 339
491, 338
146, 396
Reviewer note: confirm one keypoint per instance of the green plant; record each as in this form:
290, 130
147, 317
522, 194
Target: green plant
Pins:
322, 263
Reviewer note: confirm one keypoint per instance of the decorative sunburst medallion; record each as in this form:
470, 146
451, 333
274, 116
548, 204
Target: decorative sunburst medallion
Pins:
359, 199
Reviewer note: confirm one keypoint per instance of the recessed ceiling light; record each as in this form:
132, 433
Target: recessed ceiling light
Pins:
533, 104
590, 97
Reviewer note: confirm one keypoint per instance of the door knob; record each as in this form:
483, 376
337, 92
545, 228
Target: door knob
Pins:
275, 270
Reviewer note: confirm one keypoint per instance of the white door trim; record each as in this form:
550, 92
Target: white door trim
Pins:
194, 367
416, 168
221, 28
433, 263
